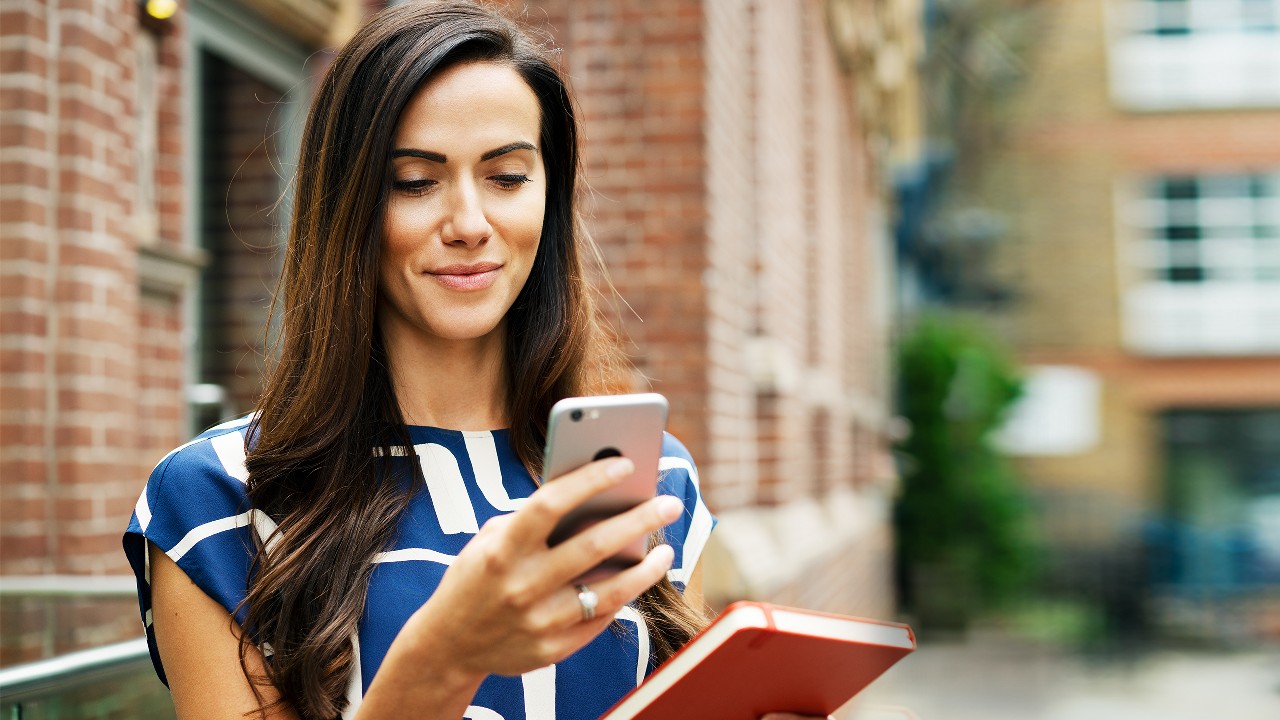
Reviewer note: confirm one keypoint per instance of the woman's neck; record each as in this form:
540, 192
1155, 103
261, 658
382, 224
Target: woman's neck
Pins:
455, 384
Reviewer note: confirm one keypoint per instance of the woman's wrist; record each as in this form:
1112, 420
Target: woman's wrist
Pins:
420, 671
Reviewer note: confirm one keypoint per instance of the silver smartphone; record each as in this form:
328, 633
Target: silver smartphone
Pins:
583, 429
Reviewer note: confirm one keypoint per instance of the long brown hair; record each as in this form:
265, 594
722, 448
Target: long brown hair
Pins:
328, 401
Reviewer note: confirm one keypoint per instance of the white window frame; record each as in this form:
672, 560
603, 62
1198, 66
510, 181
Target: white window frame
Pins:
1233, 308
1229, 56
227, 29
1199, 17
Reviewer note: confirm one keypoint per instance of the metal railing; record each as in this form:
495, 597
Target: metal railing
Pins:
108, 682
37, 679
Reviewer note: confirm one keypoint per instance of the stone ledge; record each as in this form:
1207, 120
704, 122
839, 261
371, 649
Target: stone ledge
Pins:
756, 552
169, 269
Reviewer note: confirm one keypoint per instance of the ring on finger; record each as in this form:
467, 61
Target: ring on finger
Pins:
587, 600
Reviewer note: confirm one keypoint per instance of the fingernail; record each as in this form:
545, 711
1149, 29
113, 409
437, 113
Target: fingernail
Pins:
619, 469
663, 555
669, 508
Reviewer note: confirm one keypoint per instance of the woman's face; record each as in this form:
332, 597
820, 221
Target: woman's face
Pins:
464, 214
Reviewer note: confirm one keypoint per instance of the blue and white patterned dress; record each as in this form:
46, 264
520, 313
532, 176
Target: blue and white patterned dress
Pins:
195, 509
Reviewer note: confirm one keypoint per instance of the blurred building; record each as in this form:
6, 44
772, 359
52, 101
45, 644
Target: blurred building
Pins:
736, 152
1129, 207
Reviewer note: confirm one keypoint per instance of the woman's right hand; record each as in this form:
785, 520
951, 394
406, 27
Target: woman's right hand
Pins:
506, 604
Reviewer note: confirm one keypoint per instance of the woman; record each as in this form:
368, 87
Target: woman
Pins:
369, 543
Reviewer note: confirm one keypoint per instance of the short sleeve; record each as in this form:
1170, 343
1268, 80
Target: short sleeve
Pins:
678, 476
195, 508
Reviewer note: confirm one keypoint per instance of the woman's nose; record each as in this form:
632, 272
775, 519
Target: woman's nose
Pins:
467, 223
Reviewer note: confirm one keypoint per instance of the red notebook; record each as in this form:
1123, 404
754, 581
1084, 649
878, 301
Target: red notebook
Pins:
758, 658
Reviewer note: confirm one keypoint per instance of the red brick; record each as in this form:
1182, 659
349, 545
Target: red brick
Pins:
21, 134
22, 547
22, 60
20, 398
13, 360
73, 72
21, 23
22, 323
74, 510
72, 254
74, 219
22, 98
72, 544
74, 436
22, 211
82, 110
76, 36
24, 286
27, 434
88, 400
75, 143
23, 173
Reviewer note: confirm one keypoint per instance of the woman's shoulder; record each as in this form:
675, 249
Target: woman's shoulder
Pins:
201, 480
676, 459
195, 510
678, 476
221, 447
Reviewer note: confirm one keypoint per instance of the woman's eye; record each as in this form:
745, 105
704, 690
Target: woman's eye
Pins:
413, 187
510, 182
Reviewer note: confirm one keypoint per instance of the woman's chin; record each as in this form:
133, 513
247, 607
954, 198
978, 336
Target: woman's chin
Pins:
462, 329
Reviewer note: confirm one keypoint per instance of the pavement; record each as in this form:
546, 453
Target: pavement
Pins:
994, 678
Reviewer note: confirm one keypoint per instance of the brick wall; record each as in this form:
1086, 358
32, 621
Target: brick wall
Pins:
97, 279
160, 378
73, 227
732, 196
637, 70
732, 456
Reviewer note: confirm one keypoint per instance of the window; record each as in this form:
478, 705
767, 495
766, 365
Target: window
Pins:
1186, 17
1212, 228
1222, 499
1186, 54
1207, 251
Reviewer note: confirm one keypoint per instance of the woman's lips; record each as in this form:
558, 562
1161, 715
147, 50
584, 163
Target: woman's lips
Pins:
466, 277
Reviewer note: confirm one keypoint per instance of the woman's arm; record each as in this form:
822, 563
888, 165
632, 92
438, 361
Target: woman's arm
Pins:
200, 644
507, 604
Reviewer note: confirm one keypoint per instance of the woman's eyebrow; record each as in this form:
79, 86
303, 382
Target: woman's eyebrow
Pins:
424, 154
510, 147
440, 157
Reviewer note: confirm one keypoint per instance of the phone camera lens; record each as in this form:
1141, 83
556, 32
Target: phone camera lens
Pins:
576, 415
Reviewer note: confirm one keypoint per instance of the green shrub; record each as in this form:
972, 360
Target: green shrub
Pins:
962, 519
